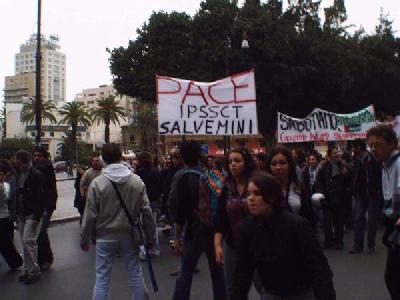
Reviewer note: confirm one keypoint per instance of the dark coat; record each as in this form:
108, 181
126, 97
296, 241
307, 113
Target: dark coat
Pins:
285, 251
367, 176
50, 184
334, 187
305, 176
33, 196
152, 181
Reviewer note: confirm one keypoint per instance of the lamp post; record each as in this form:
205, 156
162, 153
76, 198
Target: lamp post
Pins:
228, 46
38, 103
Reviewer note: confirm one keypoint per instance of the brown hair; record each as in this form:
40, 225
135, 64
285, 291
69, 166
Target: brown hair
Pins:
270, 188
384, 131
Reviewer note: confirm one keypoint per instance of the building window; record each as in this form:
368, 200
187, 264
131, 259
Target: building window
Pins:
42, 134
33, 133
52, 133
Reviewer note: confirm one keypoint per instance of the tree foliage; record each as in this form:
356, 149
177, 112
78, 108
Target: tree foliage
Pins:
107, 111
28, 112
74, 114
301, 61
8, 147
145, 123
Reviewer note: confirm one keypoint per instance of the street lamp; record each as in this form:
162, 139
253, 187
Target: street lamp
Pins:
38, 103
228, 46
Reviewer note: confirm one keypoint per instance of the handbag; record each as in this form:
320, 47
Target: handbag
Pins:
139, 225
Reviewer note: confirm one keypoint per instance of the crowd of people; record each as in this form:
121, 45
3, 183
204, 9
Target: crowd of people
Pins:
261, 219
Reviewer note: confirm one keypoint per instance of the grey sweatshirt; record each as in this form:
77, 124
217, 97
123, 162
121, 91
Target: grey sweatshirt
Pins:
4, 194
104, 214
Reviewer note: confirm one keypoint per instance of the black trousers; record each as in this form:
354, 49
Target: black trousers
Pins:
7, 248
45, 254
392, 269
333, 223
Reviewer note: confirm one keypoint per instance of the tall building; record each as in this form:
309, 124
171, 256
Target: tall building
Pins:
22, 86
53, 66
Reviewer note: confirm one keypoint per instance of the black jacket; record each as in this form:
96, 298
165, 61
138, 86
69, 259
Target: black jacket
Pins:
333, 186
152, 181
305, 176
31, 195
367, 176
50, 184
284, 250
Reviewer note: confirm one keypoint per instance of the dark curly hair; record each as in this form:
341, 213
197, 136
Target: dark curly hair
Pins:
250, 165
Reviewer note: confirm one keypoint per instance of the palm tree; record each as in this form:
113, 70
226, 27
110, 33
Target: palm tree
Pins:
28, 112
145, 122
107, 111
73, 114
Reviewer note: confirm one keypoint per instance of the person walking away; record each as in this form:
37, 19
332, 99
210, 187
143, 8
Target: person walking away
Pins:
7, 247
309, 174
198, 237
87, 178
152, 181
105, 218
43, 164
232, 210
383, 143
331, 182
281, 247
367, 185
78, 203
30, 207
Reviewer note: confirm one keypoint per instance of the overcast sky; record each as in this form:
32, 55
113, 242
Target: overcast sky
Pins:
87, 27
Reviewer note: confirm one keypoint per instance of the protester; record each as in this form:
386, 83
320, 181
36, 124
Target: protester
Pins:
299, 158
383, 143
281, 165
151, 178
232, 210
89, 175
105, 218
309, 174
78, 202
30, 207
331, 182
348, 168
367, 185
11, 179
197, 238
281, 247
42, 162
7, 247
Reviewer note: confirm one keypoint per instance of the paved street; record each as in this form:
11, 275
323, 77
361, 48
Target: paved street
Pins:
72, 276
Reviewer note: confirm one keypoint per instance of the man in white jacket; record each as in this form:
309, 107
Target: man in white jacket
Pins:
105, 218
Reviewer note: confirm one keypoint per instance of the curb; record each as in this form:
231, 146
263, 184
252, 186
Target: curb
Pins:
64, 220
66, 179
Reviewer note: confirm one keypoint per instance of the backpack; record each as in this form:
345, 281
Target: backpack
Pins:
210, 186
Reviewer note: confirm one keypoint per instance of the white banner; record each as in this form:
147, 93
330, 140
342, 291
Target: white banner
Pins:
223, 107
322, 125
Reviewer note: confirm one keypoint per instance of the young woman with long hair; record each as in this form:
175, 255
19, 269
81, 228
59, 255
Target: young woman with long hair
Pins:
232, 209
281, 247
282, 166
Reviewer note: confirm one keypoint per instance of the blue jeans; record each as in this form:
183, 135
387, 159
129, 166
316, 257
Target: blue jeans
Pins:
364, 204
105, 253
192, 250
